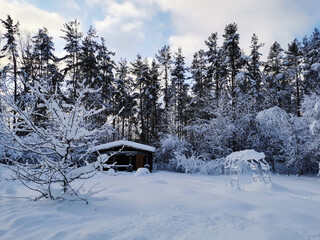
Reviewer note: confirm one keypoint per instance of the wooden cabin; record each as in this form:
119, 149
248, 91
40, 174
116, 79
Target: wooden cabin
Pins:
125, 155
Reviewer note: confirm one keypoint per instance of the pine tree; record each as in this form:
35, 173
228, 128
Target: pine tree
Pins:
179, 92
140, 70
124, 86
254, 70
43, 48
27, 65
278, 90
73, 38
89, 68
10, 49
293, 60
44, 69
44, 61
216, 71
201, 88
106, 67
311, 53
233, 54
164, 58
88, 60
154, 91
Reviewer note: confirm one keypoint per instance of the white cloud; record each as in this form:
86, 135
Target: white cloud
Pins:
128, 27
271, 20
124, 17
126, 10
32, 18
71, 4
107, 25
93, 3
133, 26
124, 24
190, 40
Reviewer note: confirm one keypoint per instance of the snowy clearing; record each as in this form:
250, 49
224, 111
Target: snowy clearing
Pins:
165, 205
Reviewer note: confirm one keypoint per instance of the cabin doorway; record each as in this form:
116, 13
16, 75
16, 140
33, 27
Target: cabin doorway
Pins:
139, 161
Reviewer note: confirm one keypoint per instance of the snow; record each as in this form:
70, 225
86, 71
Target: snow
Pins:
142, 172
124, 143
103, 157
111, 172
166, 205
246, 155
315, 66
317, 107
314, 127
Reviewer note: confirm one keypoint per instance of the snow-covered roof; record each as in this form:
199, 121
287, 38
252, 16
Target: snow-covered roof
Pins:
246, 155
124, 143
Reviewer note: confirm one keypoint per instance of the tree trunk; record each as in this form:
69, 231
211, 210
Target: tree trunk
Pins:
298, 94
15, 77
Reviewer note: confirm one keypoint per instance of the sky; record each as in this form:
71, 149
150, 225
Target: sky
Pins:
145, 26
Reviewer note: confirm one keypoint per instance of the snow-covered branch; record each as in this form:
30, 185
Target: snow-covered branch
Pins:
58, 133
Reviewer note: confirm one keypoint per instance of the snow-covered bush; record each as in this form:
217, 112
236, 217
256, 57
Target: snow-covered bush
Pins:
285, 139
170, 145
186, 164
209, 139
56, 146
1, 152
195, 164
213, 167
311, 109
177, 155
274, 130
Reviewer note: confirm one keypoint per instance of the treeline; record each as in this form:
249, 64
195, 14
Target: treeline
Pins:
225, 101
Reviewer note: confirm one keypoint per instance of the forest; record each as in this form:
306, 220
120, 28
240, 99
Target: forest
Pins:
55, 108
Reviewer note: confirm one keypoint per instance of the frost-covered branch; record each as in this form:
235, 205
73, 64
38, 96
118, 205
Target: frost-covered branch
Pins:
58, 138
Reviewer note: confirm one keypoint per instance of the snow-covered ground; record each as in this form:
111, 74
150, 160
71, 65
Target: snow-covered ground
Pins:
166, 205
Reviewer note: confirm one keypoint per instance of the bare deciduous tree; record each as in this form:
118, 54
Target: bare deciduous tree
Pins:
61, 142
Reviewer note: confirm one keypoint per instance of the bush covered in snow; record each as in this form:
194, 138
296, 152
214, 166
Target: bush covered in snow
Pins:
46, 154
194, 164
285, 139
311, 108
186, 164
176, 155
209, 139
170, 145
